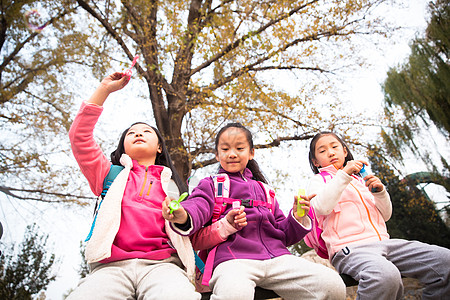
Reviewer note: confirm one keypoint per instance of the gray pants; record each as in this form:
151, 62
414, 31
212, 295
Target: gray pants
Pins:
136, 279
289, 276
379, 266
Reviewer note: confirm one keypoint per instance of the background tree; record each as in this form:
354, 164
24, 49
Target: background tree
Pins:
26, 271
419, 90
414, 216
36, 97
209, 62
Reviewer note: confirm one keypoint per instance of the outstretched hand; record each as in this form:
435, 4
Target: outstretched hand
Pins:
179, 216
115, 81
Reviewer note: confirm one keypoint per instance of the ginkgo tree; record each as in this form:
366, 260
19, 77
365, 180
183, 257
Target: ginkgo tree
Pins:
209, 62
266, 64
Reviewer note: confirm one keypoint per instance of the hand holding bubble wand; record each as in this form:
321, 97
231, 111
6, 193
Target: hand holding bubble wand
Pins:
300, 210
363, 172
172, 190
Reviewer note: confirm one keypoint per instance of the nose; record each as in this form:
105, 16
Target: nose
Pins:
232, 154
138, 134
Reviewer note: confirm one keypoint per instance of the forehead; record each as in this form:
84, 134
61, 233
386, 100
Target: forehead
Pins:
326, 140
140, 126
233, 134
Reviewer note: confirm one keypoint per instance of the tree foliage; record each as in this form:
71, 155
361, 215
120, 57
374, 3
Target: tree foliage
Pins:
203, 62
26, 271
35, 99
414, 215
420, 89
209, 62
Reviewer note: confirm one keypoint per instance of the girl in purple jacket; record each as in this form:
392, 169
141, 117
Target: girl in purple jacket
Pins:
256, 254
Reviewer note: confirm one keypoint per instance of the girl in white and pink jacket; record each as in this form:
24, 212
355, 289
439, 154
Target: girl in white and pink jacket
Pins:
132, 252
352, 212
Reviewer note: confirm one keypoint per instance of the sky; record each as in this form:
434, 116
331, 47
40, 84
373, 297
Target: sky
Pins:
68, 226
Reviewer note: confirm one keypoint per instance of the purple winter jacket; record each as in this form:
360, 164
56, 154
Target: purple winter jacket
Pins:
266, 235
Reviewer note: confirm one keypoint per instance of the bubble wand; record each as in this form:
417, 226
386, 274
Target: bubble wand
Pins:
300, 211
129, 72
175, 204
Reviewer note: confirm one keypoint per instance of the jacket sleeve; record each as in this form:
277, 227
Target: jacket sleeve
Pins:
293, 230
328, 194
212, 235
93, 163
383, 203
199, 207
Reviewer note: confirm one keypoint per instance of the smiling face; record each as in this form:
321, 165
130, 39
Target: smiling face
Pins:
141, 144
329, 151
233, 150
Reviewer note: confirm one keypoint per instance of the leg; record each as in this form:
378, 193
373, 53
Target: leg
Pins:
106, 281
428, 263
235, 279
293, 277
378, 278
163, 280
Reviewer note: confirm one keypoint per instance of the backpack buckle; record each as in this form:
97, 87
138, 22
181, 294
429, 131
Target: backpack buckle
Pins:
247, 202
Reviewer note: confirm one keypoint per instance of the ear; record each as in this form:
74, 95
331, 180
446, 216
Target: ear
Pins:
345, 152
315, 163
252, 154
159, 150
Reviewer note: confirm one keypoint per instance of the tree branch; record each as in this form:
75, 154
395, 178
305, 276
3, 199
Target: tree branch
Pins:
9, 192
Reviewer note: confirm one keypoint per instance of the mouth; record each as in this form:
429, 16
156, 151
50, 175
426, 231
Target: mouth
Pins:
334, 160
139, 141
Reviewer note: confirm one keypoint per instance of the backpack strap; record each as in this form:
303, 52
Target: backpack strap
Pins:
114, 170
314, 238
221, 192
270, 196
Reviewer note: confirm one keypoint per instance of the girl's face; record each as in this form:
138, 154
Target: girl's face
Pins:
141, 144
233, 150
329, 151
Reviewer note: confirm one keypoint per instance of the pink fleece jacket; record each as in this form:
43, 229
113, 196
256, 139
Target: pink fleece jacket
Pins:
347, 211
141, 233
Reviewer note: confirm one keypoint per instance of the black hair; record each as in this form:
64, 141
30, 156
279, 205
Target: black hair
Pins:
162, 158
252, 165
312, 149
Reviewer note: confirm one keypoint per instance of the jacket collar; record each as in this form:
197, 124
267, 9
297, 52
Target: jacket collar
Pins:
330, 169
247, 174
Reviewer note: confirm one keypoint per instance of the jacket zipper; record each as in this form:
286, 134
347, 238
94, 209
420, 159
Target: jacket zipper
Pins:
145, 183
367, 210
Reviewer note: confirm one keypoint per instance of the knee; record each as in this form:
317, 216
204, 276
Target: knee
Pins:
333, 286
387, 277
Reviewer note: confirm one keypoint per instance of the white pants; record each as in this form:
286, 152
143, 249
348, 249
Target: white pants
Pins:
291, 277
136, 279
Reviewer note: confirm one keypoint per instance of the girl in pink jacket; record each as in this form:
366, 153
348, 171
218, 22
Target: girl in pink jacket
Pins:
352, 212
132, 252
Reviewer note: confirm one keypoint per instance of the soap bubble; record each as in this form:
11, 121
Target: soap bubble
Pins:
31, 17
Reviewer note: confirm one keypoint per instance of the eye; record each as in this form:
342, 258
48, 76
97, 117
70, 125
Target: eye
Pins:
130, 132
148, 130
224, 149
321, 151
240, 148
